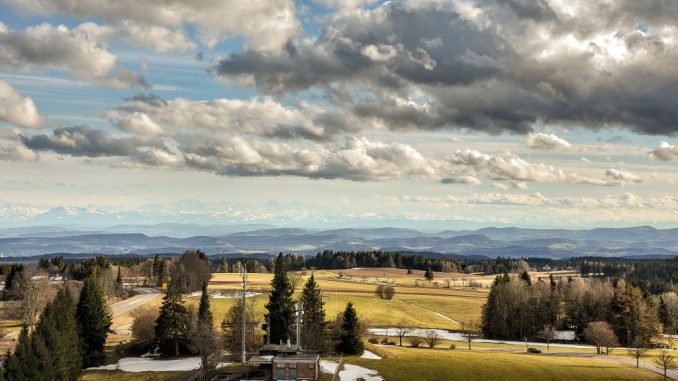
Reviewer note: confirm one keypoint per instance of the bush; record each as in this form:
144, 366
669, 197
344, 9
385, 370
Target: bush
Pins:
373, 340
416, 341
452, 346
432, 338
143, 327
384, 341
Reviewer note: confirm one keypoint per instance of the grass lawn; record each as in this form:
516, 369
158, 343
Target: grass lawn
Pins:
106, 375
444, 364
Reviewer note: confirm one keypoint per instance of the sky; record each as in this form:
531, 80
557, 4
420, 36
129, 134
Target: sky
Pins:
424, 114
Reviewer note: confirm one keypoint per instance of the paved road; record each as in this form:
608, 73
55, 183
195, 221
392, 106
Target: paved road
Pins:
146, 295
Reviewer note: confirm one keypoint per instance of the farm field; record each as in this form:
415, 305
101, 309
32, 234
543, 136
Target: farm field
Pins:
107, 375
444, 364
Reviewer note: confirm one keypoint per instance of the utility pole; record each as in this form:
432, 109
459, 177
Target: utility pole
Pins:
244, 316
299, 313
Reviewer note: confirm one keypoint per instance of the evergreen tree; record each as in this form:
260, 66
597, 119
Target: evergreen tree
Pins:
280, 306
21, 365
204, 313
158, 270
429, 275
171, 327
94, 321
59, 331
350, 342
118, 280
525, 277
44, 367
203, 338
313, 324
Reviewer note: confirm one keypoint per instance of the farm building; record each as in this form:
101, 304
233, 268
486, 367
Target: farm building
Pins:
283, 362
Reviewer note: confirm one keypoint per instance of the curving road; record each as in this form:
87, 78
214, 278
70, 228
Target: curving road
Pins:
146, 295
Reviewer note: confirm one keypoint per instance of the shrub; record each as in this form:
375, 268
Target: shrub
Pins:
416, 341
452, 346
373, 340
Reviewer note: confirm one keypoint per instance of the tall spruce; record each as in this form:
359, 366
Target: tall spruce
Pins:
22, 364
203, 338
94, 321
59, 330
171, 327
313, 327
281, 305
204, 313
350, 342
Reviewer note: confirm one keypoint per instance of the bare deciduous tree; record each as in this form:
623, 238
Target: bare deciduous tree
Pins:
143, 326
548, 333
35, 291
403, 328
432, 338
600, 334
637, 351
665, 361
470, 330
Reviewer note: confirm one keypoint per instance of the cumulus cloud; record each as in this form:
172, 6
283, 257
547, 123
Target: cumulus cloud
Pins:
77, 51
623, 176
665, 152
492, 66
546, 142
266, 24
17, 109
259, 117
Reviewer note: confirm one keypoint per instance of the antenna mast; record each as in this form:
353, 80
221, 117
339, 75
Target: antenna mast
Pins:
244, 315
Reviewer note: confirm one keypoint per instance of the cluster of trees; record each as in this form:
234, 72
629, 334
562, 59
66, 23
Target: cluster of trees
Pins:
316, 333
385, 291
67, 337
349, 259
652, 276
518, 308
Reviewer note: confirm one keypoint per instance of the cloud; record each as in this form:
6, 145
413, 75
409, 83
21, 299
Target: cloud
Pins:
82, 141
467, 180
546, 142
257, 117
265, 24
623, 176
77, 51
665, 152
17, 109
491, 66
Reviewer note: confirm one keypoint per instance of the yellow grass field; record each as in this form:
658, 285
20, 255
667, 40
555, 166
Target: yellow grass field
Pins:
400, 364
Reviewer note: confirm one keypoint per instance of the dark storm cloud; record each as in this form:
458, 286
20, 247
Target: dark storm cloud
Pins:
501, 66
82, 141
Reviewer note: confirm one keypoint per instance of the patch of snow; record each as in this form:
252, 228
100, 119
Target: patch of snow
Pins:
328, 366
223, 364
569, 335
140, 364
350, 372
370, 356
219, 295
456, 336
354, 372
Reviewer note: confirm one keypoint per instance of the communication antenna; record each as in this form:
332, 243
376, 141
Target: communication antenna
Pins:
244, 315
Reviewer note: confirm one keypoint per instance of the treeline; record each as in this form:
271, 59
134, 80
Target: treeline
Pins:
652, 276
349, 259
68, 337
518, 308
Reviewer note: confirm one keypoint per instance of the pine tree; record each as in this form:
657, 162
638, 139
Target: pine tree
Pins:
525, 277
171, 327
59, 330
118, 280
429, 275
203, 338
280, 306
313, 335
94, 321
21, 365
44, 366
350, 342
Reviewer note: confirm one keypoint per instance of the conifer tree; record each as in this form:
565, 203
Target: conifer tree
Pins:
280, 306
44, 367
59, 329
350, 342
171, 327
203, 338
94, 321
21, 365
313, 335
429, 275
118, 280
